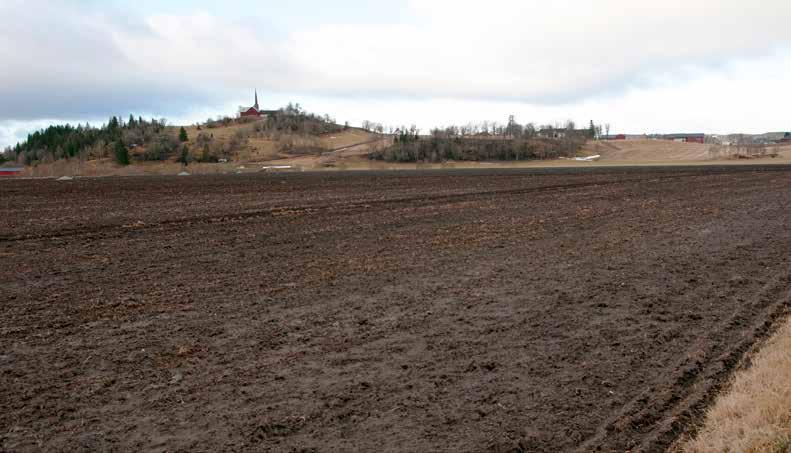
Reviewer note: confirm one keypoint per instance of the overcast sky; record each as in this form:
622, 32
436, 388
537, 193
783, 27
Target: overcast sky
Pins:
643, 66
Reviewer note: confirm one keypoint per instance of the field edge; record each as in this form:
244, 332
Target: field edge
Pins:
746, 413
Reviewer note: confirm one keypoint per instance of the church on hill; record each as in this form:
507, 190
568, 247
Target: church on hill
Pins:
254, 111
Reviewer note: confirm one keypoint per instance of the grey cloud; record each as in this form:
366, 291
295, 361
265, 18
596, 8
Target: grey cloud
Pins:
70, 60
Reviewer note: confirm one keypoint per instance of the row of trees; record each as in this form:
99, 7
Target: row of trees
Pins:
746, 149
441, 149
485, 141
511, 129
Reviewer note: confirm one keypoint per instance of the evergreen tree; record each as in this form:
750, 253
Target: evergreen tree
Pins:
185, 154
183, 135
592, 130
113, 125
121, 153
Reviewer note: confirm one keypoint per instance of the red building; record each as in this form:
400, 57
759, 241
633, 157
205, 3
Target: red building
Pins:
253, 111
10, 171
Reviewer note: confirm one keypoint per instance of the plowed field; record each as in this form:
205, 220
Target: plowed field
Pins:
498, 310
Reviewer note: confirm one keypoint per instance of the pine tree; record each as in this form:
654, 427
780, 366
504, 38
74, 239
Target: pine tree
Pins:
185, 154
121, 153
183, 135
113, 127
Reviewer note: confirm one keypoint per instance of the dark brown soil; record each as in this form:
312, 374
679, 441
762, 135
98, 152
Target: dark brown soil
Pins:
457, 311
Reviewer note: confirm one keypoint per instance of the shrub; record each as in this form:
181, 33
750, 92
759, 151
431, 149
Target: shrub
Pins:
160, 148
184, 157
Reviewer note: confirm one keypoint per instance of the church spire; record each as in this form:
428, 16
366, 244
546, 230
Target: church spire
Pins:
256, 100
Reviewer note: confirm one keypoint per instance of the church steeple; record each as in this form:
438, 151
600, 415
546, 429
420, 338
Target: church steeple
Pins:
256, 100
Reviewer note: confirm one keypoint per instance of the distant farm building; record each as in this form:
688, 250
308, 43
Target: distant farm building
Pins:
10, 171
685, 138
564, 133
254, 111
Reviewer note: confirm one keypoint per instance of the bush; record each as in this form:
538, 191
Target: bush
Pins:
160, 148
207, 155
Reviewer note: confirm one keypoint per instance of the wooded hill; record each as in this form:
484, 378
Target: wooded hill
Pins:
138, 139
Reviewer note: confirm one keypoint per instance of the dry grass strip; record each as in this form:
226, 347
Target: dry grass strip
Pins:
755, 413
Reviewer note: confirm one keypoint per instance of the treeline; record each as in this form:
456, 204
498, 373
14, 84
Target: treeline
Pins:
482, 142
114, 139
511, 129
295, 120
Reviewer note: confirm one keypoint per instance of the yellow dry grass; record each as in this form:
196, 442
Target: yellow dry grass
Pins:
219, 133
755, 413
262, 149
345, 138
649, 150
639, 151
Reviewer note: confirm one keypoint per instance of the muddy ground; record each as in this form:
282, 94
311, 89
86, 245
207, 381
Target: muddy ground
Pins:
421, 311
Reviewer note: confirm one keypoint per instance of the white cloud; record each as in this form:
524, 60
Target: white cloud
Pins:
534, 51
747, 95
634, 62
12, 132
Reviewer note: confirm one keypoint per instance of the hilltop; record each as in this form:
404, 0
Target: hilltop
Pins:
249, 141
